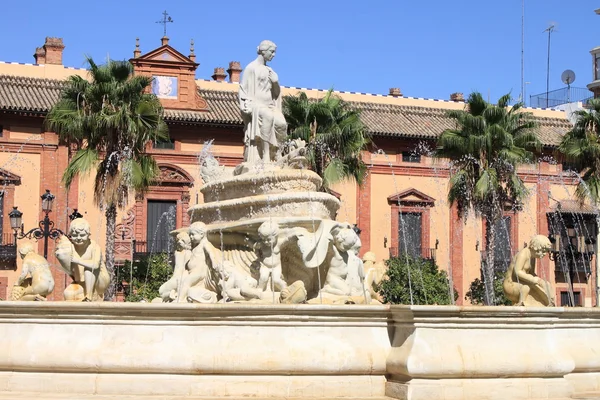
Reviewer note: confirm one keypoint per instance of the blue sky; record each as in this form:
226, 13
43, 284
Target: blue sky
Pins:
427, 48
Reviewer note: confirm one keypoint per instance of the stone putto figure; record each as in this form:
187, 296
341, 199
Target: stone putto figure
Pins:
36, 281
336, 245
374, 273
170, 289
521, 284
199, 284
260, 104
81, 258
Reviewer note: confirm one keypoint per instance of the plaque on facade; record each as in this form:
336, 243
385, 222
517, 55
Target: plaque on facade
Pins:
165, 87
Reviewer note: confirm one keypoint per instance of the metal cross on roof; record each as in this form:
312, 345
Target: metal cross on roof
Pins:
166, 19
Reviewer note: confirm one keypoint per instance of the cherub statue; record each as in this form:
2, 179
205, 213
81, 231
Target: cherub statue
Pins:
36, 281
374, 273
521, 285
237, 286
346, 273
169, 290
268, 249
336, 245
81, 258
198, 285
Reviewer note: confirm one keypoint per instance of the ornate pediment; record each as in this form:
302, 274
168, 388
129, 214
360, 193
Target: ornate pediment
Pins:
8, 178
164, 55
411, 197
173, 175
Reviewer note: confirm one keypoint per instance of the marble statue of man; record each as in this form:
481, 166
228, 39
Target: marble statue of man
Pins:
260, 103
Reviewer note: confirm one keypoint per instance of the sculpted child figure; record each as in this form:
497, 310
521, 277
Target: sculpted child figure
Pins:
346, 272
36, 281
196, 286
82, 259
237, 286
169, 290
521, 285
271, 239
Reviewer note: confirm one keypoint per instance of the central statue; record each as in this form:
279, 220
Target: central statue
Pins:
260, 103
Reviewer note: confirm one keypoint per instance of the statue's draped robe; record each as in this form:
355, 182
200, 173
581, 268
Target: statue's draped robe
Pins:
262, 97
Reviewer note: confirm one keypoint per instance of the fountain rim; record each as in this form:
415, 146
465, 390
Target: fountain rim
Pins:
24, 310
267, 176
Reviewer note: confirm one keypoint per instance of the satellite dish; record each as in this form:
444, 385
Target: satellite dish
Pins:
568, 77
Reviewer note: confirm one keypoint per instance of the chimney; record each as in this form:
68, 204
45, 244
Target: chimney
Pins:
40, 55
234, 71
164, 41
192, 55
54, 49
457, 97
137, 52
219, 74
395, 92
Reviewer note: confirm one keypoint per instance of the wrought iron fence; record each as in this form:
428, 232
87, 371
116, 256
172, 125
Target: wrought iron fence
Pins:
425, 253
142, 248
8, 252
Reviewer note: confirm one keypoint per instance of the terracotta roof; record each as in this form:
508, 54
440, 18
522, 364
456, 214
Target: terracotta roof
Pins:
38, 95
28, 94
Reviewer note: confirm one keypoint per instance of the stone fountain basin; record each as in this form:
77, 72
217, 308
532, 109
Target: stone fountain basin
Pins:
232, 351
266, 182
313, 205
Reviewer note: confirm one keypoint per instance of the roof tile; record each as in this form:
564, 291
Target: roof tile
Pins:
38, 95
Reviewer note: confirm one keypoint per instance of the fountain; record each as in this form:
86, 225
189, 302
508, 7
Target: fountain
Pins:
232, 323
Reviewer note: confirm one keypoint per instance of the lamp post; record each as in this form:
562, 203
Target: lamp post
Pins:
45, 227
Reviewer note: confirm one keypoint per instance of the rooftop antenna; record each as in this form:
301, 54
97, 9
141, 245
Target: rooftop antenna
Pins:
568, 77
549, 29
523, 51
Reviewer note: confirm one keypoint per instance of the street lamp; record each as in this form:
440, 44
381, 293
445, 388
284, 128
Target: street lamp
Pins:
45, 227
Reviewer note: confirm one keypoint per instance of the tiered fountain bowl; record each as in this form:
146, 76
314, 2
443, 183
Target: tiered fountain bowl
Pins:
241, 203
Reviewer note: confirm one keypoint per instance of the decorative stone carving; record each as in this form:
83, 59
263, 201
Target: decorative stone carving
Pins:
125, 229
374, 273
200, 283
237, 286
521, 284
82, 259
169, 290
36, 281
294, 155
260, 104
268, 249
294, 294
210, 170
336, 246
172, 175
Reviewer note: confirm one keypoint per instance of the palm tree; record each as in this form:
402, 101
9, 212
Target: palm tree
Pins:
485, 148
334, 134
109, 119
581, 147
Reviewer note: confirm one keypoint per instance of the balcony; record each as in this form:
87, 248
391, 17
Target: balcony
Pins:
8, 252
144, 249
426, 253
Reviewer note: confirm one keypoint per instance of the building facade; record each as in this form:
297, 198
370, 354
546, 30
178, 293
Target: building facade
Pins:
401, 207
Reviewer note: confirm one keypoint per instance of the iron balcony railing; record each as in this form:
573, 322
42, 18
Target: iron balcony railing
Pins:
425, 253
142, 248
8, 252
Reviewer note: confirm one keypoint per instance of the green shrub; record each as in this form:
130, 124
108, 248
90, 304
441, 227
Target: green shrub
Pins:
429, 285
145, 278
476, 293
